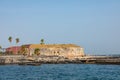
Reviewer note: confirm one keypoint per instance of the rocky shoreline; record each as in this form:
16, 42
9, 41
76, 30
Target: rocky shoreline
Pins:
37, 60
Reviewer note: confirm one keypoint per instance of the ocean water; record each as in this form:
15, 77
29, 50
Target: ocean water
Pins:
60, 72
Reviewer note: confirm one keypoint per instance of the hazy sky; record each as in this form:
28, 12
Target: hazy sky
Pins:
92, 24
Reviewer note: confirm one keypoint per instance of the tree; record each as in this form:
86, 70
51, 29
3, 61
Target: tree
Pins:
23, 50
10, 39
0, 49
37, 51
17, 41
42, 41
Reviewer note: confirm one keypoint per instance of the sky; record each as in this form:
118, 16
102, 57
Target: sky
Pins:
92, 24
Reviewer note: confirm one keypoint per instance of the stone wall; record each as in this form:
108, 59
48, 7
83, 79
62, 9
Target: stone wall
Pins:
63, 52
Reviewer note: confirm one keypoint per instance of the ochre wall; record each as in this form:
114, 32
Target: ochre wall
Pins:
63, 50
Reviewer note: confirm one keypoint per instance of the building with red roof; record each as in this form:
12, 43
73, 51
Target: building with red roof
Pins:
13, 50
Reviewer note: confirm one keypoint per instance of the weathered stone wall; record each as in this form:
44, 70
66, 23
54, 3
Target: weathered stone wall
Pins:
69, 52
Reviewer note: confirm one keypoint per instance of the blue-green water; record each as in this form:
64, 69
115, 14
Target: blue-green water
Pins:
60, 72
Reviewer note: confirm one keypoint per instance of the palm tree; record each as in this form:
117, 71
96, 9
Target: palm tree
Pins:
0, 49
17, 41
42, 41
10, 39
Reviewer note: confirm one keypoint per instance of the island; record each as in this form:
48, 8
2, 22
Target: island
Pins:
36, 54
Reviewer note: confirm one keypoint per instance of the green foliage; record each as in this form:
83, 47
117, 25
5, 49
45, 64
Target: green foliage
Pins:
23, 50
0, 47
42, 41
37, 51
17, 40
1, 50
10, 39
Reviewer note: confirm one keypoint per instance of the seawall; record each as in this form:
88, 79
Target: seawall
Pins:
18, 59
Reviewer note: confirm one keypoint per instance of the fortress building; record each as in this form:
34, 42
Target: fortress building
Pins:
61, 50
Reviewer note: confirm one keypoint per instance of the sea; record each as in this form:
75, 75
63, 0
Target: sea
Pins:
60, 72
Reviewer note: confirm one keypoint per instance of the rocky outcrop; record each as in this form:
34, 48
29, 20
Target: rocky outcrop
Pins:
10, 59
16, 59
20, 59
